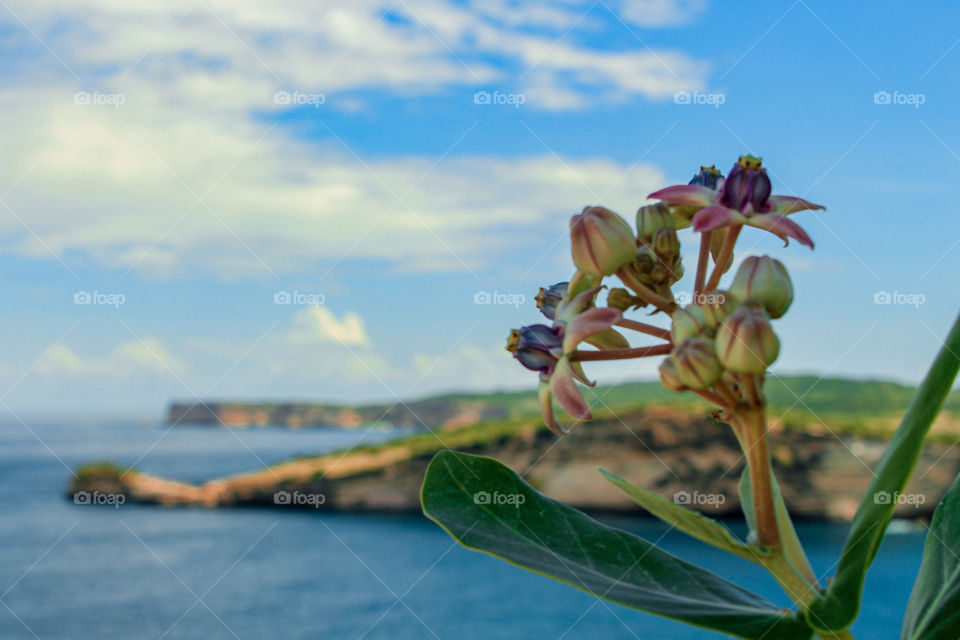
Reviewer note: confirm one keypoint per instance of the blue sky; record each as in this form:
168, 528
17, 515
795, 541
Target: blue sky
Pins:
194, 159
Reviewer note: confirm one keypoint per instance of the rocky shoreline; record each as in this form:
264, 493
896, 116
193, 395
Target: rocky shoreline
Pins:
681, 454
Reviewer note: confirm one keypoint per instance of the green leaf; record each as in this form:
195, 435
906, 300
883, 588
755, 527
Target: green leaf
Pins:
690, 522
486, 507
838, 609
934, 609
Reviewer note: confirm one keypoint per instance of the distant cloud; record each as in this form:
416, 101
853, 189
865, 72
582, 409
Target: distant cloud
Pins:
314, 324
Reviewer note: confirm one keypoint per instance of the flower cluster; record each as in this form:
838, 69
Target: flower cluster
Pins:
718, 347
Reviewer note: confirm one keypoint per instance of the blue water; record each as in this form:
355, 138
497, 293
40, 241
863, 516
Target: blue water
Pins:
71, 571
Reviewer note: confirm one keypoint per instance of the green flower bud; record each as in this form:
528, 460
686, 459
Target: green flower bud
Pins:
697, 365
766, 280
687, 323
652, 218
665, 243
716, 306
601, 241
622, 299
746, 342
668, 376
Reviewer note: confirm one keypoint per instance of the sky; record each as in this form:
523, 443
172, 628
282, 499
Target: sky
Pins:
302, 200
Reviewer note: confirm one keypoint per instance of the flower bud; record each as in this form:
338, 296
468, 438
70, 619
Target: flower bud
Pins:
746, 342
651, 218
766, 280
668, 376
696, 362
687, 323
622, 299
550, 297
536, 347
716, 306
601, 241
665, 243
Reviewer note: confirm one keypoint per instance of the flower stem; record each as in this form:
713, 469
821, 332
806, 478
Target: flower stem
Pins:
622, 354
702, 263
726, 251
643, 327
644, 292
754, 423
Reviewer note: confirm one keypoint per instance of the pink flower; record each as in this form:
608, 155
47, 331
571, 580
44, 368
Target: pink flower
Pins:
743, 198
547, 350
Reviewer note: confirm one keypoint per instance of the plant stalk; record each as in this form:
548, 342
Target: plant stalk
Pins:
754, 422
702, 261
643, 327
726, 251
622, 354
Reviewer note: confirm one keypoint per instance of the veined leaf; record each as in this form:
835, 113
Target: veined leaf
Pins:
690, 522
934, 609
485, 506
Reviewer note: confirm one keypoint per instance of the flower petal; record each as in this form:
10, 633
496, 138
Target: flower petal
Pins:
568, 310
789, 204
608, 339
588, 323
780, 225
566, 392
546, 407
716, 216
689, 194
577, 369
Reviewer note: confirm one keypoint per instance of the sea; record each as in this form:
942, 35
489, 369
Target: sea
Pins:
128, 571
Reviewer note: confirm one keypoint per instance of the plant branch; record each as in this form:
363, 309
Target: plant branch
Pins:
754, 421
702, 263
622, 354
643, 327
726, 252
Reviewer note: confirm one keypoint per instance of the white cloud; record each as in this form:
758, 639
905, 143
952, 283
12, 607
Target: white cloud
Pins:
127, 361
318, 324
661, 13
184, 177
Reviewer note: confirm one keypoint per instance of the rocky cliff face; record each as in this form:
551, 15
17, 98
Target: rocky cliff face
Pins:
443, 413
681, 455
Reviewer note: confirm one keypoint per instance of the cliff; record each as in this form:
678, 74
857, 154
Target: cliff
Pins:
678, 452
